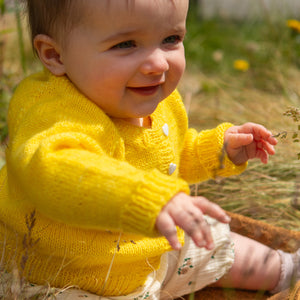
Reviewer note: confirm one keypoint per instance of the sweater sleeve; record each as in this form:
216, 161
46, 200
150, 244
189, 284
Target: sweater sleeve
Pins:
203, 156
69, 178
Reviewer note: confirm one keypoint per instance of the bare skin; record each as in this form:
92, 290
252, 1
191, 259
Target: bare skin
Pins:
249, 141
256, 266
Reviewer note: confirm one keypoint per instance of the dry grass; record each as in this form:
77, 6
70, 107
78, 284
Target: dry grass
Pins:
264, 192
13, 285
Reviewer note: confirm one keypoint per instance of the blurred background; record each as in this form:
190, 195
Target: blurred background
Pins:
243, 64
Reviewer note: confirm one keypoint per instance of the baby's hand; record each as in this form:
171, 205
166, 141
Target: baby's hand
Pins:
188, 213
249, 141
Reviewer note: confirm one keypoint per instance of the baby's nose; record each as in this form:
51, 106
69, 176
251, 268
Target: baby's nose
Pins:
155, 63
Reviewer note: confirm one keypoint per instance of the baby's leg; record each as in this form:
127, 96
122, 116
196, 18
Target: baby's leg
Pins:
256, 266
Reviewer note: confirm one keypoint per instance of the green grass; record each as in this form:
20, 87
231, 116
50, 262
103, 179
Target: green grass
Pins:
213, 45
16, 60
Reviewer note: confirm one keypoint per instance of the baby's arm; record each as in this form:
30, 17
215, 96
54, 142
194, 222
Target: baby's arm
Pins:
188, 213
249, 141
77, 183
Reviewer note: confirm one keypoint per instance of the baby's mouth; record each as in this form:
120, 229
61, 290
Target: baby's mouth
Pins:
145, 90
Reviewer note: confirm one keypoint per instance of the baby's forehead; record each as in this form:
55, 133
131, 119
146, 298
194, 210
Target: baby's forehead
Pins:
105, 19
129, 6
115, 10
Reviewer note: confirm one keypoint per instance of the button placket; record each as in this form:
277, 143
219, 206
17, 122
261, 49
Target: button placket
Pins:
172, 168
165, 129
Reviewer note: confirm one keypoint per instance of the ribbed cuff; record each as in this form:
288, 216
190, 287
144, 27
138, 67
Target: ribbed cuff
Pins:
155, 190
213, 156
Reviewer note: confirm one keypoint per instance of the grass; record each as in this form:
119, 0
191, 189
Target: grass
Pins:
215, 92
269, 47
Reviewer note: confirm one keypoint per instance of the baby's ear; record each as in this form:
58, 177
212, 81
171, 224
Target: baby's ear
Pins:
49, 53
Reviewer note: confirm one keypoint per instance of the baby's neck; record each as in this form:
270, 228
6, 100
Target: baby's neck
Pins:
140, 122
146, 122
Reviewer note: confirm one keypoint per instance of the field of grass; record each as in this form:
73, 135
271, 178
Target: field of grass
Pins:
214, 91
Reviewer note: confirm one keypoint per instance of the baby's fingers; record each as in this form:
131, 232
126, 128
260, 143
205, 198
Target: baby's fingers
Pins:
166, 226
271, 139
262, 155
261, 133
269, 148
237, 140
192, 221
211, 209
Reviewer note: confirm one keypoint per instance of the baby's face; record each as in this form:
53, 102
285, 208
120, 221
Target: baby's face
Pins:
127, 56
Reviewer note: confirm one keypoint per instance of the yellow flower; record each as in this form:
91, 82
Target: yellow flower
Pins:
293, 24
241, 65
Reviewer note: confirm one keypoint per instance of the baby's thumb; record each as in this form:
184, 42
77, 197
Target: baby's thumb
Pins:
236, 140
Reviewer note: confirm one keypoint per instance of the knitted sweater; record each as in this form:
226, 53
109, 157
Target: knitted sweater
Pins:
95, 184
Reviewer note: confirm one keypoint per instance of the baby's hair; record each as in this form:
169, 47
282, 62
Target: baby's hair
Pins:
52, 17
56, 17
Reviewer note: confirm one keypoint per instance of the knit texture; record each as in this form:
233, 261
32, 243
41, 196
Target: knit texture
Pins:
96, 185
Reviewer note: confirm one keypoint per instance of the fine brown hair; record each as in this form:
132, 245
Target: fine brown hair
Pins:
52, 17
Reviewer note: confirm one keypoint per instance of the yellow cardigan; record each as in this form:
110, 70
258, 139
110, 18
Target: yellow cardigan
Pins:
96, 186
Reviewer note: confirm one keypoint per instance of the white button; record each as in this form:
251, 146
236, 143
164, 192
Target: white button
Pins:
165, 129
172, 168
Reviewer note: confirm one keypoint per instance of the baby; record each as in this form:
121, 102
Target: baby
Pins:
101, 157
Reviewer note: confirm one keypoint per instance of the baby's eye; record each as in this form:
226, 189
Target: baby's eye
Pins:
172, 39
124, 45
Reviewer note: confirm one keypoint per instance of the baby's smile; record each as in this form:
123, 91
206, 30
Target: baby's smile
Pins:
145, 90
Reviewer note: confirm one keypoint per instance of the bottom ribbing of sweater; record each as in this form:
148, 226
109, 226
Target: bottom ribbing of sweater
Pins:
93, 279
